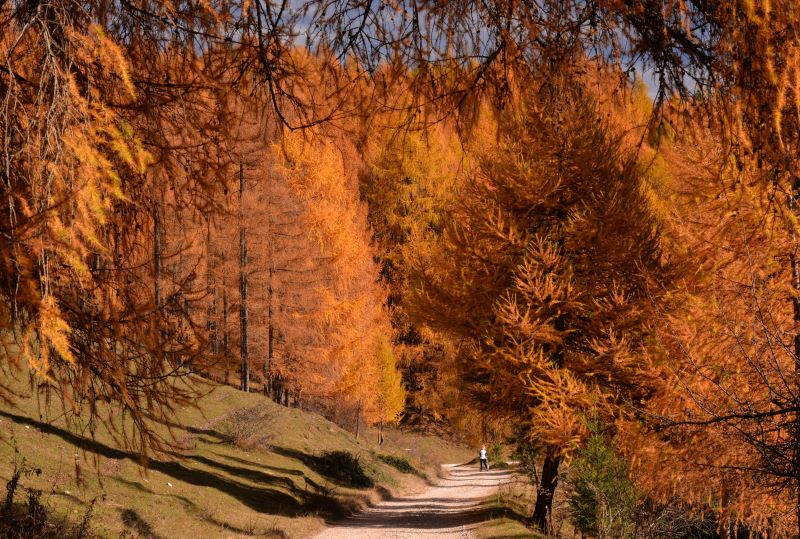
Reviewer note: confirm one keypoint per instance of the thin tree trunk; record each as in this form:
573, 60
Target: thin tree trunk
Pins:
245, 371
156, 258
380, 432
271, 266
270, 336
225, 337
795, 261
157, 279
211, 311
547, 489
358, 419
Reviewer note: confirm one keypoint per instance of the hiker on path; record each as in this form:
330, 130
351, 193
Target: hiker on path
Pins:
484, 459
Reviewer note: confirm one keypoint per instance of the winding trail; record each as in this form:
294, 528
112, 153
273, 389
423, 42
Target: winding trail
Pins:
450, 509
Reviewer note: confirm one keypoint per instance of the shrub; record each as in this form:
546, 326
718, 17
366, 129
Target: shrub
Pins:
248, 428
30, 519
398, 463
344, 468
602, 498
496, 453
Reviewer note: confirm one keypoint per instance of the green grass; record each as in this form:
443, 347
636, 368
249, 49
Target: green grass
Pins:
400, 464
248, 467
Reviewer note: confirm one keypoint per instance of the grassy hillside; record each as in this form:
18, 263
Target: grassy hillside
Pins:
247, 467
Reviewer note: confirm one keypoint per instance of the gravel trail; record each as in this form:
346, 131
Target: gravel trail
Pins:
450, 509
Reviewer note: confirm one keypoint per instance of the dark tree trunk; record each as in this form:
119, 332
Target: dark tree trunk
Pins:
277, 388
225, 338
270, 337
156, 258
297, 398
245, 371
358, 419
211, 310
795, 261
546, 490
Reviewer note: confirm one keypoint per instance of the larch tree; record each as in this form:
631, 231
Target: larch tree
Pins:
547, 276
410, 177
722, 420
343, 309
390, 395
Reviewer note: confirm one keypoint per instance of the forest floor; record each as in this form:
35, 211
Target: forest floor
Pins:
458, 506
243, 467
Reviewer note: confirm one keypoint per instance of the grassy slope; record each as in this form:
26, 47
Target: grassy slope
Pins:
216, 489
507, 507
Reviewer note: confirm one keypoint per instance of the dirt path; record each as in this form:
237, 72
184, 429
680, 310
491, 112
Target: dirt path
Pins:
448, 510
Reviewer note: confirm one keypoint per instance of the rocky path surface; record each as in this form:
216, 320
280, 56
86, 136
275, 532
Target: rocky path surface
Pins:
451, 509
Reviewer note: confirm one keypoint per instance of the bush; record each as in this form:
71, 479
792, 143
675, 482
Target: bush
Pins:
398, 463
344, 468
30, 519
602, 498
248, 428
495, 453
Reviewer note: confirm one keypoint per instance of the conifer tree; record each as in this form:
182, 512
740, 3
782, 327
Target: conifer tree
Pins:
547, 275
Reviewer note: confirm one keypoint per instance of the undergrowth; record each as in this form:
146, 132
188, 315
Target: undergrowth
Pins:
31, 518
399, 463
345, 468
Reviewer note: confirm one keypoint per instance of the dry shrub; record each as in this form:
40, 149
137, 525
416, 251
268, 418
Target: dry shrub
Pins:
32, 518
248, 428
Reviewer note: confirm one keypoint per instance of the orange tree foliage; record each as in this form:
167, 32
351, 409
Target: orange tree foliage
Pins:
115, 111
548, 274
77, 303
343, 308
410, 177
720, 430
121, 138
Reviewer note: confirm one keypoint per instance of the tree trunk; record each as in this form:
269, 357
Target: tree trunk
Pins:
270, 269
277, 385
156, 258
211, 311
157, 282
358, 419
795, 261
380, 432
245, 371
270, 336
225, 338
546, 490
549, 480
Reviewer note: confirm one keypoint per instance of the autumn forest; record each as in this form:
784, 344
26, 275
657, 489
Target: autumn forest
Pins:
565, 229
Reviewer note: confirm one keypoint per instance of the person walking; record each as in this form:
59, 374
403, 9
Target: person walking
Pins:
484, 458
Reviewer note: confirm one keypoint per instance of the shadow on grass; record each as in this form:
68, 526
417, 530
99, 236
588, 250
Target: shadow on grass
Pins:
133, 484
135, 523
287, 471
345, 472
205, 516
267, 497
254, 476
424, 516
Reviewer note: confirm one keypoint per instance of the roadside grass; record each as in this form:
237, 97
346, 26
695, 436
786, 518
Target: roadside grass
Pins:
247, 467
425, 453
511, 506
508, 510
